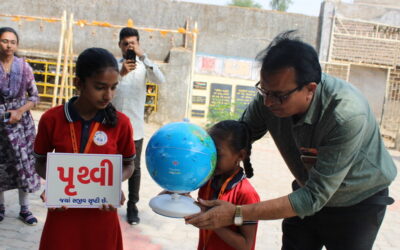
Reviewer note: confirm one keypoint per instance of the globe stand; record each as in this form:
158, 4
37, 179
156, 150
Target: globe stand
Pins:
174, 205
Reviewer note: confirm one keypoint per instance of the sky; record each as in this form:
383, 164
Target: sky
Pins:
306, 7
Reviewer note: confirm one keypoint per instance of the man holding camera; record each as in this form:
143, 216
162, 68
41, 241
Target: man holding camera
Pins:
135, 70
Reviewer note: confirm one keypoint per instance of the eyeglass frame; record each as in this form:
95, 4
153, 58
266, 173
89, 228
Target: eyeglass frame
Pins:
276, 98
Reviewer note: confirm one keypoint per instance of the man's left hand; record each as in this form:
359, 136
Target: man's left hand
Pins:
219, 214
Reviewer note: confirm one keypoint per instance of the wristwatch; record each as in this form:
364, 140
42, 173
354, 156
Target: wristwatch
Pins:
238, 219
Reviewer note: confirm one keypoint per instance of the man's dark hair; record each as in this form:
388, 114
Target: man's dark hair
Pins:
127, 32
287, 50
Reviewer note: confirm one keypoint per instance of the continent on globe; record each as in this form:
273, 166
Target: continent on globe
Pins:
180, 157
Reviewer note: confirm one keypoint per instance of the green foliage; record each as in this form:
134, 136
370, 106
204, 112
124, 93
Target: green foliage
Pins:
281, 5
245, 3
224, 111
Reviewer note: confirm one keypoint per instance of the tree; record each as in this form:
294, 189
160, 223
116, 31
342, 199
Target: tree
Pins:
281, 5
245, 3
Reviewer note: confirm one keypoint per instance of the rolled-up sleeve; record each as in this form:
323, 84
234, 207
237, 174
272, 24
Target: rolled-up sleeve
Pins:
336, 156
154, 73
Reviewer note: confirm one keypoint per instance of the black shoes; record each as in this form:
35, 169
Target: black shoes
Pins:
132, 215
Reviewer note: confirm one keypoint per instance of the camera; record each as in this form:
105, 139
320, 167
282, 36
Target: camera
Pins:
6, 116
130, 55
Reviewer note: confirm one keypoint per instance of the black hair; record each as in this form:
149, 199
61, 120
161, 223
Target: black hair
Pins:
94, 61
287, 50
9, 29
238, 136
127, 32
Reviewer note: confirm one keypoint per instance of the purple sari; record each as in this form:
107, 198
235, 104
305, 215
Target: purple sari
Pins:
17, 163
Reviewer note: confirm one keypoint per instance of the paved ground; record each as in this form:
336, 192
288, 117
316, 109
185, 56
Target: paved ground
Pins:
271, 179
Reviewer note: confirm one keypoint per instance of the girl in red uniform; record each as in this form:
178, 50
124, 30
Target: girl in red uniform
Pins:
230, 183
73, 128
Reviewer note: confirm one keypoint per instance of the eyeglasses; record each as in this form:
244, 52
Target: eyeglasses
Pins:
6, 41
276, 98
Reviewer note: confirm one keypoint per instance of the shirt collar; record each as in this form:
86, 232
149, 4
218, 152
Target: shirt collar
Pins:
72, 114
311, 116
232, 183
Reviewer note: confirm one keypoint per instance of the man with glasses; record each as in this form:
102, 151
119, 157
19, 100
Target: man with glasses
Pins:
135, 70
329, 139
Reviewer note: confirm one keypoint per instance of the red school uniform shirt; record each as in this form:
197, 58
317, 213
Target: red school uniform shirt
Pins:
239, 191
82, 228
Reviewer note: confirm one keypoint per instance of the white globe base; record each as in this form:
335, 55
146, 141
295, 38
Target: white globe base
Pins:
174, 205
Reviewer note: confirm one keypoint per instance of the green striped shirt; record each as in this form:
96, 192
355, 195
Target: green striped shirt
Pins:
352, 162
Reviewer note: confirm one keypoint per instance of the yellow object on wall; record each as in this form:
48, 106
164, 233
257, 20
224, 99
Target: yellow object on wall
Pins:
45, 72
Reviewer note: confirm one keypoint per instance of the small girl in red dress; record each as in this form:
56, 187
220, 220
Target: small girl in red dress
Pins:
230, 183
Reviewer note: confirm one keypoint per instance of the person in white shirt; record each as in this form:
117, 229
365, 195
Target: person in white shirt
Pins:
135, 70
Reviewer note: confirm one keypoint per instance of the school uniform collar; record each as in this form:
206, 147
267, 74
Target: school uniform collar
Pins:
72, 114
232, 183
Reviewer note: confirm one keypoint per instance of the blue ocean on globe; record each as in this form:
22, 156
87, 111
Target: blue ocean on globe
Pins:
181, 157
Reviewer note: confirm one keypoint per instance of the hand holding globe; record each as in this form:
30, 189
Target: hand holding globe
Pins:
180, 157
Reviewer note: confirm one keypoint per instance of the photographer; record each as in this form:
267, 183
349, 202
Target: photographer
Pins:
135, 70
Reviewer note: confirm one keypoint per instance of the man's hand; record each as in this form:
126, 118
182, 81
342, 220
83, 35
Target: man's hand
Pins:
219, 214
127, 66
138, 50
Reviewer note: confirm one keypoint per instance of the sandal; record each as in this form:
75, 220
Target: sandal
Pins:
28, 218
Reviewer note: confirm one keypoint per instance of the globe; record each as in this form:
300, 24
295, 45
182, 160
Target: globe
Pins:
180, 157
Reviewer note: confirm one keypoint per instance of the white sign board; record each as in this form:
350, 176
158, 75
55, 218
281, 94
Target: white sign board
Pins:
83, 180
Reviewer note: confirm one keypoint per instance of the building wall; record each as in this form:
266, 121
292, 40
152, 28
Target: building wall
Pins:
379, 13
372, 83
223, 31
392, 3
366, 38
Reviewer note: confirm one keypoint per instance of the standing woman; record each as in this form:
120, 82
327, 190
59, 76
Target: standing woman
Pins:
87, 123
18, 94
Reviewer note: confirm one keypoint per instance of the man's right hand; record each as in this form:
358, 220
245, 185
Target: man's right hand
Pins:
127, 66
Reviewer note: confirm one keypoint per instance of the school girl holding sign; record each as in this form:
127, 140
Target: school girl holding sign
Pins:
76, 127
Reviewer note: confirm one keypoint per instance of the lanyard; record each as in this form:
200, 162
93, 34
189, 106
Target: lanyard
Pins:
207, 233
74, 140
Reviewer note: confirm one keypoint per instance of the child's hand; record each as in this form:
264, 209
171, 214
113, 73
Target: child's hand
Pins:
202, 207
169, 192
123, 199
44, 199
43, 196
165, 192
107, 207
186, 194
58, 209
